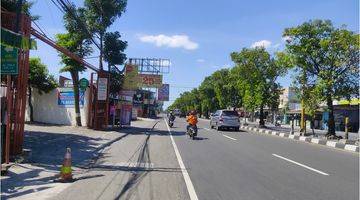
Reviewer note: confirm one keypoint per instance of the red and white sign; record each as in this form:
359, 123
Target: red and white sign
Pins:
150, 80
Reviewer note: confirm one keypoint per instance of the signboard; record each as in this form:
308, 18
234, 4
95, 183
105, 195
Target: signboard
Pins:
126, 95
125, 114
150, 80
66, 97
131, 77
163, 92
138, 98
83, 83
9, 60
68, 83
102, 89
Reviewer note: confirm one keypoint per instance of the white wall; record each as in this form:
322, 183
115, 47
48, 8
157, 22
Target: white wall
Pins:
47, 110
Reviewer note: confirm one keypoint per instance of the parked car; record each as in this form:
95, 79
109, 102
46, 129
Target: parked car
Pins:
222, 119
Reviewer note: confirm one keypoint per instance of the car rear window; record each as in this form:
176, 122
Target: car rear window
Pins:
230, 113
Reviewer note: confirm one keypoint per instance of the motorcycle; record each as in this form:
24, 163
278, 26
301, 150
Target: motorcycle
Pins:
171, 123
191, 131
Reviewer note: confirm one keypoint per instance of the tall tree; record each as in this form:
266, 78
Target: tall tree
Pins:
257, 73
79, 43
81, 47
114, 49
114, 55
329, 57
100, 15
40, 79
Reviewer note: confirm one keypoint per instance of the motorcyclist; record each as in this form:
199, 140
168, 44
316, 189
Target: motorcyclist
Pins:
171, 116
192, 120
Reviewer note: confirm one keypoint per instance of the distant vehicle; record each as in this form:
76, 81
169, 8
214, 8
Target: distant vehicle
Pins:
222, 119
177, 112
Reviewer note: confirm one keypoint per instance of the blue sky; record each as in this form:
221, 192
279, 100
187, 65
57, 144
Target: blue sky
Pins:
198, 35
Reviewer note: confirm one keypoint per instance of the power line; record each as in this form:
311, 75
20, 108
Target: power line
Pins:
64, 7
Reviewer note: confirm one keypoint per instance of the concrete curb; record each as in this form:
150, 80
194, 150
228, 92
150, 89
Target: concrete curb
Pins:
345, 145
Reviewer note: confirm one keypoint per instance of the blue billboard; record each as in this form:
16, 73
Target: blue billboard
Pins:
66, 97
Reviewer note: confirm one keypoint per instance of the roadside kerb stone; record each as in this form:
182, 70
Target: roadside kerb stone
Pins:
305, 139
283, 134
295, 137
274, 133
342, 144
318, 141
350, 147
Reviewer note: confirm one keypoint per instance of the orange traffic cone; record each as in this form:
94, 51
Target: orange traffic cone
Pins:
65, 171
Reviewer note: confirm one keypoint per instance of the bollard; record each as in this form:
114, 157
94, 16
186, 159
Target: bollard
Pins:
292, 125
346, 127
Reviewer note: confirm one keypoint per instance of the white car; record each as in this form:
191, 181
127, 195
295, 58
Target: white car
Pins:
228, 119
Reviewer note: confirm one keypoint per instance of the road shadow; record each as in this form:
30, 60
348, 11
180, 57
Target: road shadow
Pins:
200, 138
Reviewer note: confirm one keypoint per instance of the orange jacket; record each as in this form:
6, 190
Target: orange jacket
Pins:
192, 119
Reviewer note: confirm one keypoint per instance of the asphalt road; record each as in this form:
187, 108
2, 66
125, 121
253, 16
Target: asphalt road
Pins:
146, 164
242, 165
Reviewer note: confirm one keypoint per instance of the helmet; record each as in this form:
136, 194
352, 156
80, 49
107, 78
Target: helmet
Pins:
193, 112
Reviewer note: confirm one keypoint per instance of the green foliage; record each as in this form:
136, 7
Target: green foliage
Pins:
11, 5
77, 44
114, 49
255, 74
39, 76
99, 16
329, 55
116, 81
327, 59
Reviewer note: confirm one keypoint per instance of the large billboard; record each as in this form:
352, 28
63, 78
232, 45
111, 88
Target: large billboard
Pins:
66, 97
131, 77
150, 80
163, 92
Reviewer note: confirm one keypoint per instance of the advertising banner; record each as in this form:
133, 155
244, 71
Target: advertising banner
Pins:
131, 77
125, 116
102, 89
138, 98
150, 80
126, 95
66, 97
9, 60
163, 92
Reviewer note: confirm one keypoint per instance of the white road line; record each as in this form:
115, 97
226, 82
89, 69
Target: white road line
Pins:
189, 185
302, 165
207, 129
229, 137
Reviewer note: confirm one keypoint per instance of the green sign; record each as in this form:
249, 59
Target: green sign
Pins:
84, 83
9, 60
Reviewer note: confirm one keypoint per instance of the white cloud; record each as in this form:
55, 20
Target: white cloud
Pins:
261, 43
173, 41
200, 60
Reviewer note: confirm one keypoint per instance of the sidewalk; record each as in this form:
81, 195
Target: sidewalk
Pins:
48, 144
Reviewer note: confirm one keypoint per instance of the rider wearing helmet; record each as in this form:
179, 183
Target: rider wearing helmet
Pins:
171, 116
192, 120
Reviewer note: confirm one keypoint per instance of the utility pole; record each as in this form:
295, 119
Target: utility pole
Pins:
302, 122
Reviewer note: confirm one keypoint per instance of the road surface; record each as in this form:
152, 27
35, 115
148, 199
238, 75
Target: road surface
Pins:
217, 165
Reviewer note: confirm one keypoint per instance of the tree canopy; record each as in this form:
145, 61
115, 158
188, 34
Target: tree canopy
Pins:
327, 59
